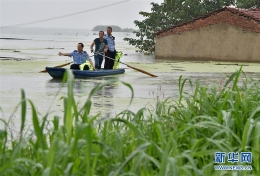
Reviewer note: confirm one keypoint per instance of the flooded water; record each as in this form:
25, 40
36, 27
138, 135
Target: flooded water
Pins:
40, 49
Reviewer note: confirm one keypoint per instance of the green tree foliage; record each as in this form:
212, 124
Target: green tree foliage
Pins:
115, 28
173, 12
248, 3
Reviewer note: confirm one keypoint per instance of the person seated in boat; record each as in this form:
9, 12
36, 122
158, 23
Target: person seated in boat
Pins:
81, 59
101, 48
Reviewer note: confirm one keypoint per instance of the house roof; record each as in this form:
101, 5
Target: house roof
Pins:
251, 14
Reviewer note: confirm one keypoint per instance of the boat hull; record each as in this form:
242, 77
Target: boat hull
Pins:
83, 74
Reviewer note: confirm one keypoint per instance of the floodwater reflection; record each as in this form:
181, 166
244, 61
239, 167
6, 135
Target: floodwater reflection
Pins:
102, 100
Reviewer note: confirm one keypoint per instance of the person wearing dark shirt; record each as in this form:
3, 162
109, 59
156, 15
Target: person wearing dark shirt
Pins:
101, 48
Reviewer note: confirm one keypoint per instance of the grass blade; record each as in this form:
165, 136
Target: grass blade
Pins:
138, 150
23, 115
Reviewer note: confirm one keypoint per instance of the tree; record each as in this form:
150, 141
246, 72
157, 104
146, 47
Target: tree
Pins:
248, 3
173, 12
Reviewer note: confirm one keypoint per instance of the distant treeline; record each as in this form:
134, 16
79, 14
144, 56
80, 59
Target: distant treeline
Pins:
115, 28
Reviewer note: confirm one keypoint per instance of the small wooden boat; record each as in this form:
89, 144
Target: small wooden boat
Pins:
83, 74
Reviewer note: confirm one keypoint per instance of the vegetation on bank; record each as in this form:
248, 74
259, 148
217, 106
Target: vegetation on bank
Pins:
178, 137
115, 28
173, 12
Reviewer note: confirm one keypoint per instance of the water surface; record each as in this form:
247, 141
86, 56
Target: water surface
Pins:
28, 57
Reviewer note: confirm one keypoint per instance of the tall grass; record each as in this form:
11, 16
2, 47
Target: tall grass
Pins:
179, 137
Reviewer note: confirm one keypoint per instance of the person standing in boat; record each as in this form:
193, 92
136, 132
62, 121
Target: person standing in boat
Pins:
79, 57
101, 48
111, 52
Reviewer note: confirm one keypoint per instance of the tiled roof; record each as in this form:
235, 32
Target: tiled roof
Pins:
252, 14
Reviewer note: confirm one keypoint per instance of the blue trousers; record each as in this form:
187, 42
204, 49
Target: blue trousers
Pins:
98, 60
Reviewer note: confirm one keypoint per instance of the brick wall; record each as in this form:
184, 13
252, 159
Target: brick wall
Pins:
243, 22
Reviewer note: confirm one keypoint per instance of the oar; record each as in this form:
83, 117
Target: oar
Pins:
137, 69
59, 66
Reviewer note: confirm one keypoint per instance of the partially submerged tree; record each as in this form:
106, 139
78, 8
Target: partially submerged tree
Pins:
173, 12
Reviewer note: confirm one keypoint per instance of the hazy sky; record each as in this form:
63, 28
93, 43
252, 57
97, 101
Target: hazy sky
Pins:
22, 11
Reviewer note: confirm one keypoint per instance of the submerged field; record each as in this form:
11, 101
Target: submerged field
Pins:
173, 126
178, 136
